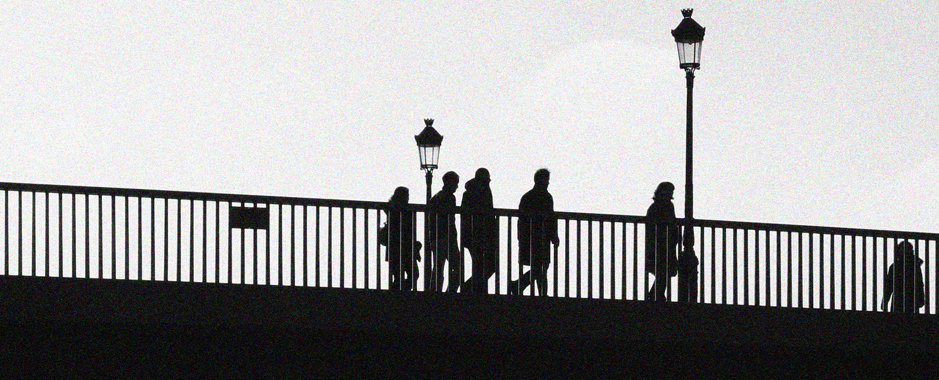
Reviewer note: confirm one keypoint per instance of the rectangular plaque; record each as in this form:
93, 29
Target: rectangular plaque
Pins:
249, 217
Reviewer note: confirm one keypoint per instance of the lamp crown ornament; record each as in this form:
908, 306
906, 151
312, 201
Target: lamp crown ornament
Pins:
429, 122
687, 12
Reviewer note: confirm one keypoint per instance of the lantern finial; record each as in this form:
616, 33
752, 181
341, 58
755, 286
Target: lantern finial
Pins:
429, 122
687, 12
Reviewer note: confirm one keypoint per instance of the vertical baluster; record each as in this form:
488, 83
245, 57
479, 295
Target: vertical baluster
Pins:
267, 246
114, 239
205, 242
726, 267
844, 297
623, 269
166, 239
756, 266
6, 235
293, 251
140, 238
19, 234
318, 275
329, 248
87, 238
364, 246
589, 259
567, 257
579, 260
46, 216
602, 285
831, 272
736, 277
218, 249
746, 266
228, 233
179, 240
636, 261
508, 257
789, 264
280, 243
192, 236
853, 272
779, 268
32, 235
127, 237
355, 251
768, 285
613, 260
254, 248
714, 267
61, 255
864, 273
811, 270
242, 233
153, 262
305, 259
342, 249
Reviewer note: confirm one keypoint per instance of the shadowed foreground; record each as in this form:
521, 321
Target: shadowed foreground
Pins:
102, 328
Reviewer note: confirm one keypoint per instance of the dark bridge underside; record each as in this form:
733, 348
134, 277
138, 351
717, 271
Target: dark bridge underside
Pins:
57, 327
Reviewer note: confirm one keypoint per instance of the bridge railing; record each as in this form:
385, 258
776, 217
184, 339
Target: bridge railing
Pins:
153, 235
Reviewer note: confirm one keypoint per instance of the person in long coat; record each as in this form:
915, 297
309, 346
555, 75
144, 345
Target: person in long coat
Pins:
662, 238
479, 229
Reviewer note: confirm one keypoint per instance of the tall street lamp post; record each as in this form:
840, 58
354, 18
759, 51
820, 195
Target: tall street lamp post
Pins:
688, 35
428, 148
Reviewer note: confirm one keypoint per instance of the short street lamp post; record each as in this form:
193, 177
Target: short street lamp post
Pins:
428, 147
688, 35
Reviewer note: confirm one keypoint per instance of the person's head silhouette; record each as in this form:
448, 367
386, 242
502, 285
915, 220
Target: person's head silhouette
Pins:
451, 181
664, 192
542, 178
482, 177
903, 251
400, 197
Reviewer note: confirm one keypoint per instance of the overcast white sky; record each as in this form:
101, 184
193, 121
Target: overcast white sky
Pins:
818, 113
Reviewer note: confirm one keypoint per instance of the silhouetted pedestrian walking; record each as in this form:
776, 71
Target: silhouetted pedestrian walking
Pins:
662, 239
537, 226
402, 252
479, 227
904, 281
442, 247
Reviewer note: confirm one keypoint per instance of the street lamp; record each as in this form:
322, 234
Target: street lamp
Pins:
428, 147
688, 36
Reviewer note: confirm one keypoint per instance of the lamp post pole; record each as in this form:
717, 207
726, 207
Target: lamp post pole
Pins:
688, 35
428, 147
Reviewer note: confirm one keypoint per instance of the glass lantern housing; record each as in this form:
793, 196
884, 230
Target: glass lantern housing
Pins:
688, 36
428, 145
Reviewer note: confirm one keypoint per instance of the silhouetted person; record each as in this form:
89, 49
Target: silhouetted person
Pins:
661, 240
904, 281
442, 246
479, 227
537, 226
402, 248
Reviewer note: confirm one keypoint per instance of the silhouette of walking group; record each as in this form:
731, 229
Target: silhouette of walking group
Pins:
538, 230
479, 226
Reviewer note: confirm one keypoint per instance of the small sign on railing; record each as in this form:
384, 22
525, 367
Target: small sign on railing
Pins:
249, 217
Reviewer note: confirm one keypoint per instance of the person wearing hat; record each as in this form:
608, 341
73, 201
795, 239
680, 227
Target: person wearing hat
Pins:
662, 238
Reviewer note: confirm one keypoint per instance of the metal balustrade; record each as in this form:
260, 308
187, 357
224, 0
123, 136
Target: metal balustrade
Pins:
151, 235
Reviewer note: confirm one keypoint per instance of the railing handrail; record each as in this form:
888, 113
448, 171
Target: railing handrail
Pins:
301, 201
